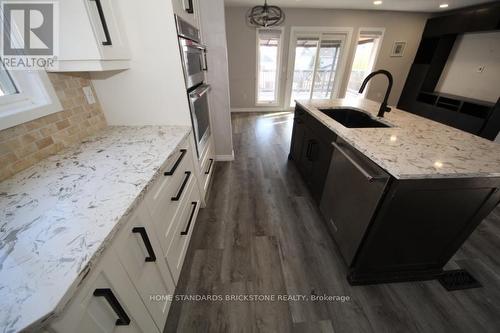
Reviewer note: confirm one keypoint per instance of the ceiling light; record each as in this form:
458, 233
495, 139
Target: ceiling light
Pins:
265, 16
443, 5
378, 2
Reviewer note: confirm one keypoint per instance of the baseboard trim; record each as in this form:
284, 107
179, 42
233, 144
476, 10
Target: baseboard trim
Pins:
263, 109
225, 158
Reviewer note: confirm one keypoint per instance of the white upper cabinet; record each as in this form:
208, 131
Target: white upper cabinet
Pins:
91, 36
187, 10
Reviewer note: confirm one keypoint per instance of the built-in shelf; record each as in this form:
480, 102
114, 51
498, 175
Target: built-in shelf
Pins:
469, 106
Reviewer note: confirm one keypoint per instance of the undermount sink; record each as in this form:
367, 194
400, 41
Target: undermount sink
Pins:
352, 118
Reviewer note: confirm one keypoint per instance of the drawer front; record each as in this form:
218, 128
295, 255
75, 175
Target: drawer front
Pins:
172, 173
181, 233
207, 168
164, 217
106, 297
140, 253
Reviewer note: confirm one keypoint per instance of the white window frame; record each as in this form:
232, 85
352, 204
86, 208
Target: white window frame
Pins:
342, 65
36, 96
375, 55
276, 101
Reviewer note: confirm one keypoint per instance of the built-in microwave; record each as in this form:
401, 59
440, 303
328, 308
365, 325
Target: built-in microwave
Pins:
194, 57
200, 115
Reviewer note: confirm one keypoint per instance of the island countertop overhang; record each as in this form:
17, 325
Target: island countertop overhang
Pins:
414, 147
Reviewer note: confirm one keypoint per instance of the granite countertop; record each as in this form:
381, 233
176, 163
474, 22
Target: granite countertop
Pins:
415, 147
57, 217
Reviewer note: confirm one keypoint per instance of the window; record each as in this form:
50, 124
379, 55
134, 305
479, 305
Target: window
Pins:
25, 95
7, 86
367, 48
268, 65
317, 59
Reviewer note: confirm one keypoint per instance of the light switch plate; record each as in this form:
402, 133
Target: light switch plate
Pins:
89, 95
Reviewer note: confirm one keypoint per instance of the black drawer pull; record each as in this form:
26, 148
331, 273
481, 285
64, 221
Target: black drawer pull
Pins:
308, 151
147, 243
209, 166
185, 232
123, 319
188, 6
103, 22
178, 196
172, 171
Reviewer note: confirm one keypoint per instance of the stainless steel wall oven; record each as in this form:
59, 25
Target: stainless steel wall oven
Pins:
194, 63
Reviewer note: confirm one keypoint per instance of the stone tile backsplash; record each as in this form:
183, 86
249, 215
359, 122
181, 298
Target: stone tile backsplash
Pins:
23, 145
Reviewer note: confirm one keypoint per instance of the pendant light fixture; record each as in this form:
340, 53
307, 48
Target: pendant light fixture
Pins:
265, 16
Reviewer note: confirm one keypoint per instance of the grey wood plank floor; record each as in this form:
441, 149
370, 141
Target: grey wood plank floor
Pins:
261, 233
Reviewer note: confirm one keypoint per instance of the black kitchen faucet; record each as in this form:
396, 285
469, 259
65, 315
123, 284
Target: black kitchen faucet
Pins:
383, 107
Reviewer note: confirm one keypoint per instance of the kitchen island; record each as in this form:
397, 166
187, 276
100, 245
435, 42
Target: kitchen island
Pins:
399, 199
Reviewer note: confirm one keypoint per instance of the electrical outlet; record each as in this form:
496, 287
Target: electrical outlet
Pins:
89, 95
480, 69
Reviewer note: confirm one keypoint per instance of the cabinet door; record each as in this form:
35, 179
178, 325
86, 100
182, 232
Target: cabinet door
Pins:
297, 139
107, 302
105, 17
187, 10
139, 251
179, 238
305, 160
321, 153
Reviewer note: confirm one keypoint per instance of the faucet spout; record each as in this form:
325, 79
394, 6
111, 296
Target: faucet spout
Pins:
383, 106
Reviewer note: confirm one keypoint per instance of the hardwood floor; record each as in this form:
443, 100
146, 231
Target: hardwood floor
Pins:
262, 234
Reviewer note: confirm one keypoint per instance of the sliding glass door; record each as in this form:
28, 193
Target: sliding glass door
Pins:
316, 63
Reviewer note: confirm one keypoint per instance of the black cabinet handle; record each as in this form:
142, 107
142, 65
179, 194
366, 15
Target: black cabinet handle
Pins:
209, 166
308, 151
172, 171
147, 243
188, 6
103, 22
311, 150
185, 232
178, 196
123, 319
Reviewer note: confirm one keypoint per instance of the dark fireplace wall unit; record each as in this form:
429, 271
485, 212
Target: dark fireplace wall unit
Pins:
419, 95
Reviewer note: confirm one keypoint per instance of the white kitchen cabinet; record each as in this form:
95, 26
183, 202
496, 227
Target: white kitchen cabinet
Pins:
91, 36
131, 287
140, 253
207, 166
91, 312
182, 230
187, 10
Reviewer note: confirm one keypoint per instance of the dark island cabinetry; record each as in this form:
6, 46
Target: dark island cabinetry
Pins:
387, 229
311, 150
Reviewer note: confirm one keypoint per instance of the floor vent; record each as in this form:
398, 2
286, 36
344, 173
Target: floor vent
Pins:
458, 279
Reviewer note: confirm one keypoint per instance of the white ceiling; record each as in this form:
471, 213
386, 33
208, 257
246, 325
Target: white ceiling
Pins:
400, 5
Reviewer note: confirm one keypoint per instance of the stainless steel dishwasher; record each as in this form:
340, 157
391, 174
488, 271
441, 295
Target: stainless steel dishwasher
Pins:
353, 189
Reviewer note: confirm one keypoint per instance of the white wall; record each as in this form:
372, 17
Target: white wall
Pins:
212, 21
398, 26
460, 75
153, 91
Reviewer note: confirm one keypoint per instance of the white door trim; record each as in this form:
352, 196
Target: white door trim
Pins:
374, 59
